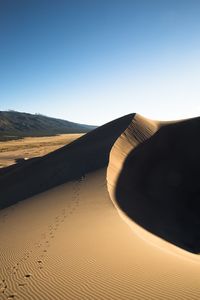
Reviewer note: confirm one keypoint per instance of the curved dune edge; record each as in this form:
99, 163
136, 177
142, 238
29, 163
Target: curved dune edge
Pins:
139, 130
70, 243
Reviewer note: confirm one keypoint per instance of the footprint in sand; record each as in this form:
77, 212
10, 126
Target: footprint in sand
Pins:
3, 286
39, 261
40, 264
12, 296
2, 289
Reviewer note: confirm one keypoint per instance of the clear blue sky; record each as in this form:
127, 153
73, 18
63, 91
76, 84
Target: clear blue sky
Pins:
91, 61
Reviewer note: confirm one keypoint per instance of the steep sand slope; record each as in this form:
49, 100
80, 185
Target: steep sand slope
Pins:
153, 176
70, 243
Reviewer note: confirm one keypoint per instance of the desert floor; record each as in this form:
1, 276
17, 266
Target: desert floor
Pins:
32, 147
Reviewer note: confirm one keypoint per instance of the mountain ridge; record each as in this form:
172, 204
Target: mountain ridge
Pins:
14, 125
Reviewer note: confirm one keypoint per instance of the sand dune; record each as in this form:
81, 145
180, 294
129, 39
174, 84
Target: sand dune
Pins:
153, 177
71, 239
88, 153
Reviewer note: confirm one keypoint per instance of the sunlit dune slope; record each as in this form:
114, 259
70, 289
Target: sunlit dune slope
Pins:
153, 176
70, 243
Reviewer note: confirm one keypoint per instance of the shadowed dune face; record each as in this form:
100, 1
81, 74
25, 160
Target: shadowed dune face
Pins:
159, 184
86, 154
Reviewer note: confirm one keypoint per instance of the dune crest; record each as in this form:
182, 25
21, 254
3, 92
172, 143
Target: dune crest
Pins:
152, 179
137, 132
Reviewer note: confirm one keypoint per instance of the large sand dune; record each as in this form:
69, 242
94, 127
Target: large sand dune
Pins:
88, 153
81, 236
154, 175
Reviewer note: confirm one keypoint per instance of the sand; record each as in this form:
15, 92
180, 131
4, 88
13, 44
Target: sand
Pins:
75, 241
153, 177
31, 147
86, 154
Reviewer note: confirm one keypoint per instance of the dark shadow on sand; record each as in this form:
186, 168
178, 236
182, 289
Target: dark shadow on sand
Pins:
159, 185
87, 154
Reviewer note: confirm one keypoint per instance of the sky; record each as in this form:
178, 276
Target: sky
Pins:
91, 61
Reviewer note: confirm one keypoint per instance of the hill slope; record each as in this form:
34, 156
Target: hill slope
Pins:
16, 125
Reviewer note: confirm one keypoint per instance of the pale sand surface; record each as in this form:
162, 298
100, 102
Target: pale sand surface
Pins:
32, 147
75, 241
73, 244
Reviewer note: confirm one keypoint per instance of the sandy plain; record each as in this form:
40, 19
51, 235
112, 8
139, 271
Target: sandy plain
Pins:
31, 147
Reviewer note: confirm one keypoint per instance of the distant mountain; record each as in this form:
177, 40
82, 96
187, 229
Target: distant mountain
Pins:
15, 125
